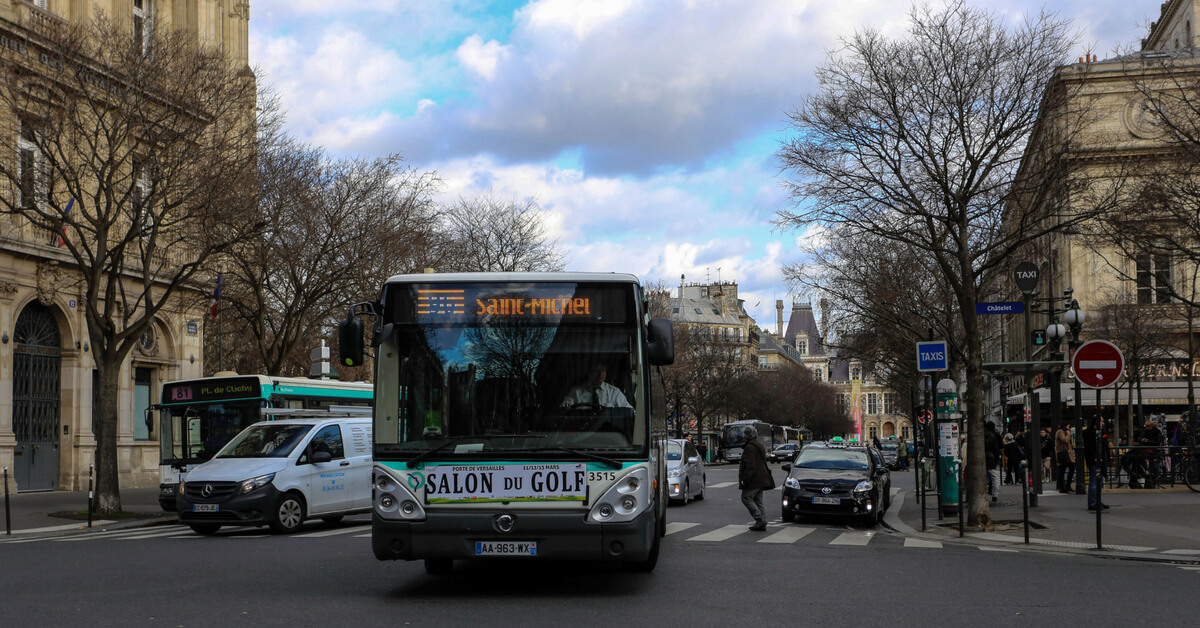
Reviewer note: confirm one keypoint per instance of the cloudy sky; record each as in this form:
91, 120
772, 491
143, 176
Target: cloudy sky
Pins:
645, 130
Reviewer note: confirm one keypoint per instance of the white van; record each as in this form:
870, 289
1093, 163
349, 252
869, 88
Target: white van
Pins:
279, 473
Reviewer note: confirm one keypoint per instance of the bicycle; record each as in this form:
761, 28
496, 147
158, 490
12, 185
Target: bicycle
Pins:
1191, 469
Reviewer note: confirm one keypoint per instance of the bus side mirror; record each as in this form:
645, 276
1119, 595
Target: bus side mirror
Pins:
660, 342
350, 340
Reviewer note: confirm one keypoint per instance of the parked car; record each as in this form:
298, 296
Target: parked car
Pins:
784, 453
685, 471
838, 480
279, 473
888, 451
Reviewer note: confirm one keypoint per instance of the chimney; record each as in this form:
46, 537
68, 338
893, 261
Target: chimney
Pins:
779, 318
824, 321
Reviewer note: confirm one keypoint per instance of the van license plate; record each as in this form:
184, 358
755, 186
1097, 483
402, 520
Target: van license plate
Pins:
831, 501
206, 507
507, 548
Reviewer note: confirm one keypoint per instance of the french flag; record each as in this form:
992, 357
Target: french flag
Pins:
212, 308
66, 212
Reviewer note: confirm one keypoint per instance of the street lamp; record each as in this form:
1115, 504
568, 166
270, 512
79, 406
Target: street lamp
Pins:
1075, 317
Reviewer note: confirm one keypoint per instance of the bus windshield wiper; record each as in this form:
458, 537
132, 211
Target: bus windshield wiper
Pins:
608, 461
412, 464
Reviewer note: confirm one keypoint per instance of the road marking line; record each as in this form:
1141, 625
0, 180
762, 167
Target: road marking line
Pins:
108, 534
788, 535
721, 485
362, 536
1183, 552
853, 538
728, 532
156, 534
1189, 567
677, 526
335, 532
989, 548
922, 543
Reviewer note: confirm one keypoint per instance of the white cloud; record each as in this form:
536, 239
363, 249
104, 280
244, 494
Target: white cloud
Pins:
479, 57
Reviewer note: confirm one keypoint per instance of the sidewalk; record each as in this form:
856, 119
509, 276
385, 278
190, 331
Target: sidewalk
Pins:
64, 512
1155, 524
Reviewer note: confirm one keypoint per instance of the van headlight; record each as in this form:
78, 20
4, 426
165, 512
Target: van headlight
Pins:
254, 484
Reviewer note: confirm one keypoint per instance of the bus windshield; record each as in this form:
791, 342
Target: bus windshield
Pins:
198, 431
735, 436
268, 440
486, 370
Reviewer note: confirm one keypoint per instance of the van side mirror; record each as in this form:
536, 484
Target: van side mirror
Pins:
660, 342
350, 340
321, 456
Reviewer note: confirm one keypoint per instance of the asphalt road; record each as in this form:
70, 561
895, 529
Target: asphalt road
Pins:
709, 573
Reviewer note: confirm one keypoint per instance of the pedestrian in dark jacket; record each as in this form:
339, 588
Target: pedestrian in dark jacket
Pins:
1012, 459
1093, 453
754, 476
991, 456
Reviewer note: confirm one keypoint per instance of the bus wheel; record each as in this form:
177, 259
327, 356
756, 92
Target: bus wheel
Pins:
439, 566
207, 529
289, 514
646, 566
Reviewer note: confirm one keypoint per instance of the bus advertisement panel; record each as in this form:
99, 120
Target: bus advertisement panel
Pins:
517, 415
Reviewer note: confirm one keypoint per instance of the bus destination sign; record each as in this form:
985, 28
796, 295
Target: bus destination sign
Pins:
457, 302
211, 390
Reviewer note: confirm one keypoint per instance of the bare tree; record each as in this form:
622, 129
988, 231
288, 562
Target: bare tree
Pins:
140, 154
491, 235
924, 142
336, 229
708, 368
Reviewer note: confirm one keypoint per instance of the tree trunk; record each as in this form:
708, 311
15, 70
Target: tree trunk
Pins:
108, 490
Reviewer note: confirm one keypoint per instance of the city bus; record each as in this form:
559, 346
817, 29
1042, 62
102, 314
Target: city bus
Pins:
517, 415
734, 440
198, 416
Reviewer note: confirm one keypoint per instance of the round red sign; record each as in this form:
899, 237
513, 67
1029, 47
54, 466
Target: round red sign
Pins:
1098, 364
925, 416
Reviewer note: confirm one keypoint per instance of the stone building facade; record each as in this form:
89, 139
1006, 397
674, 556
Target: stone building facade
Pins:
47, 380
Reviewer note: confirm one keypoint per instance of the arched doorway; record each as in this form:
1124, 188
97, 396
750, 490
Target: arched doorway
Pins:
37, 398
889, 429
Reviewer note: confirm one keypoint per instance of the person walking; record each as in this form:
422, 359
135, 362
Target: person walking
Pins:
991, 455
1064, 456
1012, 459
1046, 453
902, 455
754, 476
1094, 455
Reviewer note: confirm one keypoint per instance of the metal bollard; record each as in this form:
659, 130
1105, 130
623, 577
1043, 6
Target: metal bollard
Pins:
91, 469
7, 514
1027, 479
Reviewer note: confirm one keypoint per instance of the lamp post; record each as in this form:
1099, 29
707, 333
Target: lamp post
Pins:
1055, 332
1074, 318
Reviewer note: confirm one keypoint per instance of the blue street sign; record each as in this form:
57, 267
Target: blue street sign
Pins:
932, 355
1003, 307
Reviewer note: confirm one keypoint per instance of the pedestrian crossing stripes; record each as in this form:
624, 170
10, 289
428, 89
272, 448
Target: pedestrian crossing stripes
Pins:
675, 526
788, 535
722, 485
911, 542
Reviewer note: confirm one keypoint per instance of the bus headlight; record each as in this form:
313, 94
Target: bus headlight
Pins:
393, 500
624, 500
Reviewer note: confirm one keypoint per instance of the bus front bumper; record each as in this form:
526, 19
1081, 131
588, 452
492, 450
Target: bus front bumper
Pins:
559, 536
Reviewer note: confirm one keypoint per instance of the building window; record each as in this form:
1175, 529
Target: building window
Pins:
872, 403
843, 402
819, 374
143, 427
762, 361
904, 432
33, 174
1153, 278
874, 432
42, 4
802, 347
856, 373
889, 403
143, 24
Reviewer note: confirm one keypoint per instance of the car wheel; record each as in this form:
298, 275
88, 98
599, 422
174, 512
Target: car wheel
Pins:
703, 482
207, 529
788, 516
687, 488
289, 514
439, 566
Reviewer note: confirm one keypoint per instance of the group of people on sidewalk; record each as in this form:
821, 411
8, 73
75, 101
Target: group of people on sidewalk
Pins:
1056, 454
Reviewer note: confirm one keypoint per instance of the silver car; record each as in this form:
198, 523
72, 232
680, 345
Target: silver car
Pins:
685, 471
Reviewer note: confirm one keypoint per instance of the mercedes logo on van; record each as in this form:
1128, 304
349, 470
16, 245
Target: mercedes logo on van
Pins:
825, 490
505, 523
206, 491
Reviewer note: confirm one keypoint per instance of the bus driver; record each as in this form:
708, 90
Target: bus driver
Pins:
595, 391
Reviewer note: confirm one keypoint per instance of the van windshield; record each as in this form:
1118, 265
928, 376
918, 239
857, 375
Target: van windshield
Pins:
272, 440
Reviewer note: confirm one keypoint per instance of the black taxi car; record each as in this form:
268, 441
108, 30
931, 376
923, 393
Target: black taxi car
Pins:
837, 479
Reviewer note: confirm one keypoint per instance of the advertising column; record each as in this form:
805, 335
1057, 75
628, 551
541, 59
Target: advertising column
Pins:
948, 450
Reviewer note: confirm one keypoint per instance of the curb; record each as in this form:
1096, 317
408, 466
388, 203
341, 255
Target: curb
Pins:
892, 519
98, 525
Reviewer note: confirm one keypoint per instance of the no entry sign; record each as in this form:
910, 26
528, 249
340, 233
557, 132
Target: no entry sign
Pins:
1098, 364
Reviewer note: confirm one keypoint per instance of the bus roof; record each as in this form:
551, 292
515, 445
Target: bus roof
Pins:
282, 381
577, 277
